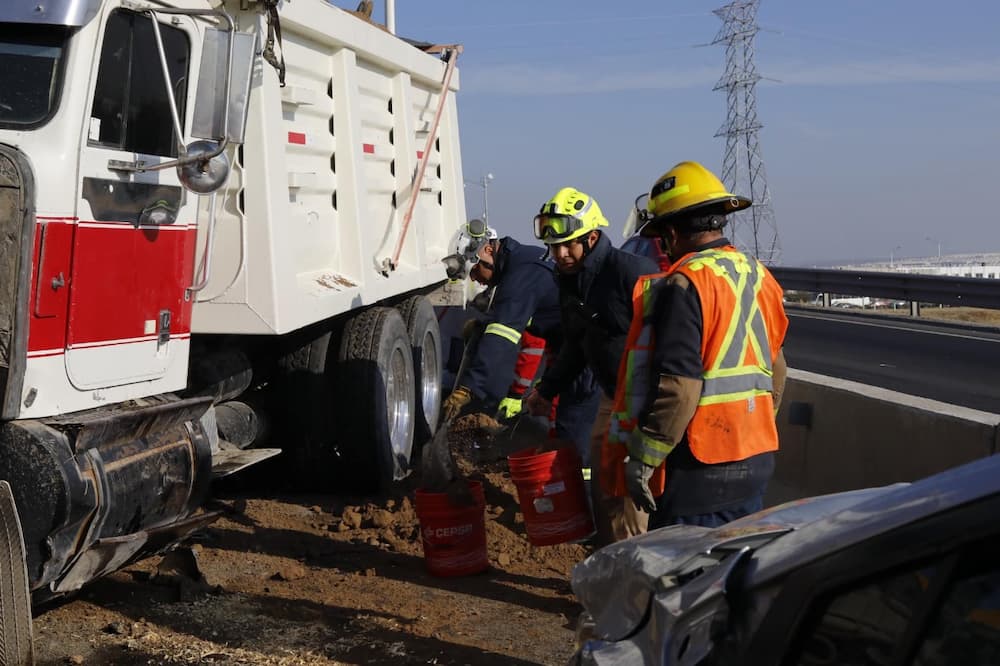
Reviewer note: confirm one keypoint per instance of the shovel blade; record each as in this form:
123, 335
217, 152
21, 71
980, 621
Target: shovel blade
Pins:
437, 464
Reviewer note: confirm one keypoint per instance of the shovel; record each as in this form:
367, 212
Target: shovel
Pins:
438, 465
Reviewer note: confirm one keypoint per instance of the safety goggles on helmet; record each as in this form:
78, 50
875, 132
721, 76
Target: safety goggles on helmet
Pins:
553, 227
567, 216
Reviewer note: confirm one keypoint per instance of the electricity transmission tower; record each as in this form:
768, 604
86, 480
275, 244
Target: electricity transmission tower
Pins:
753, 229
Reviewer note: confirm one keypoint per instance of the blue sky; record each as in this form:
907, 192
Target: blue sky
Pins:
882, 136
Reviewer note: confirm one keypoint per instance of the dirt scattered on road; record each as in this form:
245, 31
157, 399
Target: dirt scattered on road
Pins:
318, 579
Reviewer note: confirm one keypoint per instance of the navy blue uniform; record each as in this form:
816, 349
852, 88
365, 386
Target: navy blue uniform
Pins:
527, 298
597, 312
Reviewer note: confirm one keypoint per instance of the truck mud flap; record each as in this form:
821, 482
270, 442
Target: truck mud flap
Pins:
15, 603
112, 553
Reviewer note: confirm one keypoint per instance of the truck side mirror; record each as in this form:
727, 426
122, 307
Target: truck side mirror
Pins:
207, 173
216, 114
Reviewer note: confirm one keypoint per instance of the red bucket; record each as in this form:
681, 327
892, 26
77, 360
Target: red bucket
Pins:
552, 495
454, 537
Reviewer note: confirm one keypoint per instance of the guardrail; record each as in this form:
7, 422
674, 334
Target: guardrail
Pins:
917, 289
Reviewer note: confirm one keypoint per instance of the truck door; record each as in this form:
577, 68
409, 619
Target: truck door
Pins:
129, 320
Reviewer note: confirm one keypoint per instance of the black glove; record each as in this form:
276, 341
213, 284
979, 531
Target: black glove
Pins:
472, 328
637, 476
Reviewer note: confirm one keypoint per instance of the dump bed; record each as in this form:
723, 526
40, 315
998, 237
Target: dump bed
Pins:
311, 216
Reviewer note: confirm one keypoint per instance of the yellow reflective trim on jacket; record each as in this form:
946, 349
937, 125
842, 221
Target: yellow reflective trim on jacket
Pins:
505, 332
649, 450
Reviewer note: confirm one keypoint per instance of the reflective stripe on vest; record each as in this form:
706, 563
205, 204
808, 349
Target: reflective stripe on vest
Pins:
633, 386
743, 327
505, 332
729, 379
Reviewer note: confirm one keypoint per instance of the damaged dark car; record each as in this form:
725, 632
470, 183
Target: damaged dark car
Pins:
903, 574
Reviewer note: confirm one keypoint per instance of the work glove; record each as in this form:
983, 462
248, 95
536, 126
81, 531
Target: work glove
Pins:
637, 476
471, 328
508, 409
454, 403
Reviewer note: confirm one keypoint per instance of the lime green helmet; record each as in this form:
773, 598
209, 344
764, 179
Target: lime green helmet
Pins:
568, 215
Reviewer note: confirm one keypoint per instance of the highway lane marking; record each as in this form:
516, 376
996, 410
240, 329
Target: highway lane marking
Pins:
897, 327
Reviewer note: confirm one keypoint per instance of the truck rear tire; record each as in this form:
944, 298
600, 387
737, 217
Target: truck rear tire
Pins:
425, 340
376, 397
303, 398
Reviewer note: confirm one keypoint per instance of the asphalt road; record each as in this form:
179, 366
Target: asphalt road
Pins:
957, 365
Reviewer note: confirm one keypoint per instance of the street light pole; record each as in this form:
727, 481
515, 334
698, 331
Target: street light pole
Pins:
486, 197
892, 253
935, 240
484, 182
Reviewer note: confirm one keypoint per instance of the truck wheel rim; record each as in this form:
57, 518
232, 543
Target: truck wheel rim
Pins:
399, 392
430, 380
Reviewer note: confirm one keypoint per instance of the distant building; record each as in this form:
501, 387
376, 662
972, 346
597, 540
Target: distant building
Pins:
956, 265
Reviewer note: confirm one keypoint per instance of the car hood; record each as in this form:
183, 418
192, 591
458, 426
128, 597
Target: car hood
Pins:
615, 584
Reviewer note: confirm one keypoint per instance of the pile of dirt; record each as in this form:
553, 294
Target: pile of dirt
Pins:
320, 579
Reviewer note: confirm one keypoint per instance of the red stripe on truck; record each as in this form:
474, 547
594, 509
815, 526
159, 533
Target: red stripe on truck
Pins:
112, 281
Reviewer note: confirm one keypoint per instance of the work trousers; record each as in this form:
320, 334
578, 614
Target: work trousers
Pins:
714, 519
616, 518
574, 415
711, 495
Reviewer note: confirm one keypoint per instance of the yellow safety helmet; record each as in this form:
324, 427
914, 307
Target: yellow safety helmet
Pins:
568, 215
688, 190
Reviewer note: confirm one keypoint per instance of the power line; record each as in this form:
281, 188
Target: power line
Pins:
576, 21
742, 167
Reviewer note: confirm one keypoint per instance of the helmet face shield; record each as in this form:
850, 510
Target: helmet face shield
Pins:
637, 216
555, 228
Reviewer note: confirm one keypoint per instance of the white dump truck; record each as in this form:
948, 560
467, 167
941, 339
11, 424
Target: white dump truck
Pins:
219, 219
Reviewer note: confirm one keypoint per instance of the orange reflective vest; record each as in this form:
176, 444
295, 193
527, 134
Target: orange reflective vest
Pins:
631, 389
743, 329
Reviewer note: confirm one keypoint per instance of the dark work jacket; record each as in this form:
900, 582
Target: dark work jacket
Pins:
525, 292
596, 306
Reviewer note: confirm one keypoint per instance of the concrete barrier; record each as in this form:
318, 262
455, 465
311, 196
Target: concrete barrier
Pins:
840, 435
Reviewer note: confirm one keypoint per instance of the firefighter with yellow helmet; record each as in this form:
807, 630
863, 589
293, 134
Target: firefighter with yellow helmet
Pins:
706, 370
595, 283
